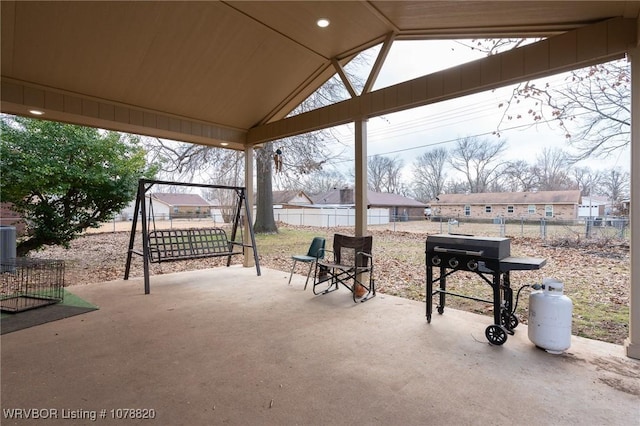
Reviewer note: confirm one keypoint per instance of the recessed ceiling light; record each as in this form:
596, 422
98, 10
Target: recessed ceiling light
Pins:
224, 143
322, 22
36, 112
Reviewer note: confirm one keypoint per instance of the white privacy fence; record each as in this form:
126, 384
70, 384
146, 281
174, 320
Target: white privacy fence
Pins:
329, 217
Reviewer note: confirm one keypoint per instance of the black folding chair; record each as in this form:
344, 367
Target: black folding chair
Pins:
350, 264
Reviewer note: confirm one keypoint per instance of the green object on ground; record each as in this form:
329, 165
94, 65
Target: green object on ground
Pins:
71, 299
71, 305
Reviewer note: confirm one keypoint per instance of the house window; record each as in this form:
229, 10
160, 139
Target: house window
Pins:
532, 209
548, 211
487, 209
198, 209
510, 209
467, 210
175, 209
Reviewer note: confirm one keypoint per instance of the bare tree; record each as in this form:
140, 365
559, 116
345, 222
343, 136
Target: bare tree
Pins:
455, 187
615, 185
586, 179
188, 162
496, 185
519, 176
429, 174
404, 190
384, 174
592, 108
552, 170
301, 157
230, 175
492, 46
191, 162
321, 182
479, 161
301, 154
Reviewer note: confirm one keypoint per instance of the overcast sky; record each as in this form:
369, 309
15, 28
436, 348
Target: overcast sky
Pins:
409, 134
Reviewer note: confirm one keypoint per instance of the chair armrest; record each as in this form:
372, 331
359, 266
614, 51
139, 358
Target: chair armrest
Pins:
369, 258
361, 253
365, 254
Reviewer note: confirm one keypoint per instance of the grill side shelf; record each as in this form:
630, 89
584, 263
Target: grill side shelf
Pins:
521, 263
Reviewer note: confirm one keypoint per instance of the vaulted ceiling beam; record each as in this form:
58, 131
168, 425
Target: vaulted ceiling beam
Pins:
377, 65
600, 42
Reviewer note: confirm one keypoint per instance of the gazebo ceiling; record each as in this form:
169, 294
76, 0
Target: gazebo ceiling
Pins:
208, 72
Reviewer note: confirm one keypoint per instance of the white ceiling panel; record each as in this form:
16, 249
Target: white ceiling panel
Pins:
230, 65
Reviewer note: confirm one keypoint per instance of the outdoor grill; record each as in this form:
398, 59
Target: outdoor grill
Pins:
489, 258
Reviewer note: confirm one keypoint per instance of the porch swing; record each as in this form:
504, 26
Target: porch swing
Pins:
166, 245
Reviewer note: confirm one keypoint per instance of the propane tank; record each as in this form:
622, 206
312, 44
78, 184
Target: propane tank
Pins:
550, 317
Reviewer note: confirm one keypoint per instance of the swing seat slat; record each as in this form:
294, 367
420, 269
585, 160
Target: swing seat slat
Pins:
181, 244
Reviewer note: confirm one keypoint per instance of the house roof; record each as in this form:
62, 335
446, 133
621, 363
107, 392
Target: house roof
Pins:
172, 199
601, 199
380, 199
374, 199
539, 197
286, 197
219, 71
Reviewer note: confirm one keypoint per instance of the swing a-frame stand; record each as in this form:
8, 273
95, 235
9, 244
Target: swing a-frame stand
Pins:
181, 244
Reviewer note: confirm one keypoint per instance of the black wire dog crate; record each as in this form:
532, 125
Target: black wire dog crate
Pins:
30, 283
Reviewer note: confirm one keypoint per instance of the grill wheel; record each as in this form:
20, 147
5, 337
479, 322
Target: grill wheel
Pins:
510, 321
495, 334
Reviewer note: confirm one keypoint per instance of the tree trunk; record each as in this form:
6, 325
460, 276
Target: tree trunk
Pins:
265, 222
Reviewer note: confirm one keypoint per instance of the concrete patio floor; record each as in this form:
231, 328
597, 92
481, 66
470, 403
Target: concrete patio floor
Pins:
223, 346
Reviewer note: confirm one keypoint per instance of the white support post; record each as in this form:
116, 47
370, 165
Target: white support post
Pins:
632, 343
361, 176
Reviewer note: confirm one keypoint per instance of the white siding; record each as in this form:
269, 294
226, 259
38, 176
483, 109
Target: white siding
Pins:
329, 217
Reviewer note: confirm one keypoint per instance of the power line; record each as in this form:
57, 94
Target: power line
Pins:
455, 116
443, 118
451, 140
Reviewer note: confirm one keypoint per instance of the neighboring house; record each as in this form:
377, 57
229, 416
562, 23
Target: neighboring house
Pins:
291, 199
560, 205
172, 206
400, 208
182, 205
594, 206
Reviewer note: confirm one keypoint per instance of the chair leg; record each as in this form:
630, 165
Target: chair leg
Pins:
327, 275
292, 269
308, 275
370, 291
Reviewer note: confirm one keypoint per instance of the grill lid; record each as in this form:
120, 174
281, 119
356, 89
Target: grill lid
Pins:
469, 245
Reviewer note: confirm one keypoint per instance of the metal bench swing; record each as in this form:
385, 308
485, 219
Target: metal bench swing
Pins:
167, 245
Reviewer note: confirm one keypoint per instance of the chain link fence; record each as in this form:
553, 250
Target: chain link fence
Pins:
596, 228
593, 228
